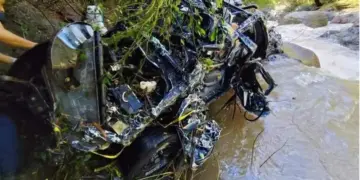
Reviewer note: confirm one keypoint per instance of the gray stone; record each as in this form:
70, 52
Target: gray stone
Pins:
347, 37
36, 21
26, 21
270, 14
352, 17
356, 24
33, 24
312, 19
330, 15
332, 34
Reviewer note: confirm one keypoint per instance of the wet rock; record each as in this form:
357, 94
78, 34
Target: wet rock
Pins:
330, 14
332, 34
356, 24
348, 37
69, 14
26, 20
31, 20
270, 14
312, 19
304, 55
352, 17
275, 42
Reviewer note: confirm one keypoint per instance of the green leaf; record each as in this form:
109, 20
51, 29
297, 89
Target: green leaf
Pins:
176, 9
196, 11
106, 81
219, 3
202, 32
207, 62
182, 42
213, 35
87, 157
82, 57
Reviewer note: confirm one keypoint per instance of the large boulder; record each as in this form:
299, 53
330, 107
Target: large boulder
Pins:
31, 22
304, 55
349, 38
312, 19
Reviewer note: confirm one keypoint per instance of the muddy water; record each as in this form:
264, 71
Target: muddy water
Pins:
312, 132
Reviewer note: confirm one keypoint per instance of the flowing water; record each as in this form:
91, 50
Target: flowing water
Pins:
312, 132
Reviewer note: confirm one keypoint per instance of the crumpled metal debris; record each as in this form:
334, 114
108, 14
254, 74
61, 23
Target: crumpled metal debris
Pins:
126, 98
275, 42
169, 99
199, 134
130, 106
200, 147
95, 17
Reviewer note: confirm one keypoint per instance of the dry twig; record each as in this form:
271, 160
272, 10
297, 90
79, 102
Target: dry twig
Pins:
273, 153
253, 147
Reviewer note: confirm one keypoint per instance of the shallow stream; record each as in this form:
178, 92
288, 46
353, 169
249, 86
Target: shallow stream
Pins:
313, 130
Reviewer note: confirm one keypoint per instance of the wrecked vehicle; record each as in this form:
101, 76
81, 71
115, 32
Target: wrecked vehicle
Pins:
150, 107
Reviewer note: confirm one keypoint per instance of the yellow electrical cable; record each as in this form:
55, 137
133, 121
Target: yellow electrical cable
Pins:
180, 118
108, 156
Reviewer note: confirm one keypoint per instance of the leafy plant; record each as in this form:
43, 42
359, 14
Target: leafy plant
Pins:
142, 18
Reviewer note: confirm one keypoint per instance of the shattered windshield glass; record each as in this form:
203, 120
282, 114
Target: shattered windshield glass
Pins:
74, 82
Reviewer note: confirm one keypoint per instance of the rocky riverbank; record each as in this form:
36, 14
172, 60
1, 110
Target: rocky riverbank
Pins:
326, 39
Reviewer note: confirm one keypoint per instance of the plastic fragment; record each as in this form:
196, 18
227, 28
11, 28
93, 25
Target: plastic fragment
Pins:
148, 86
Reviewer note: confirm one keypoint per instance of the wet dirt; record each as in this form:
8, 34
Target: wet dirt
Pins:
312, 132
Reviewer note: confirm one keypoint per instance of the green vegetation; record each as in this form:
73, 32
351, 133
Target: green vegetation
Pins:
341, 4
141, 17
262, 3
